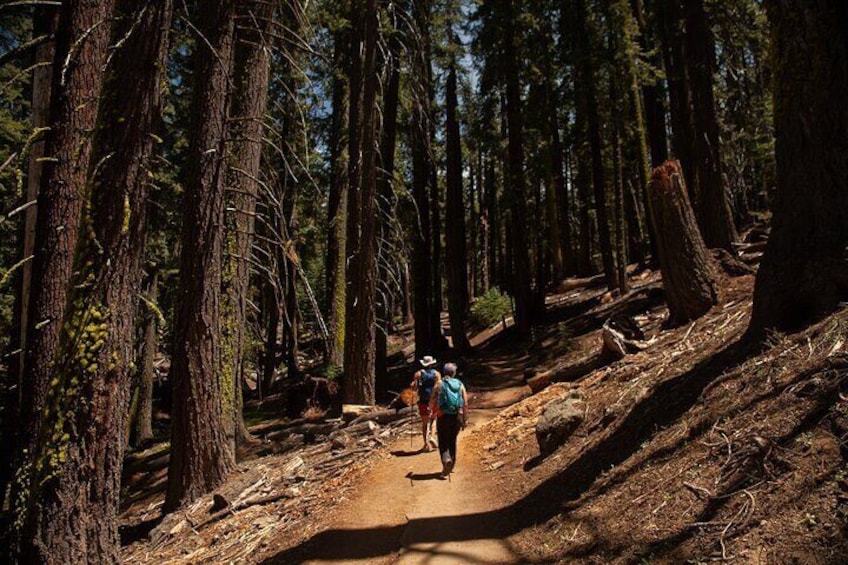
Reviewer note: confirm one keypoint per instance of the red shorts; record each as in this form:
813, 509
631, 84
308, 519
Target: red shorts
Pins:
424, 410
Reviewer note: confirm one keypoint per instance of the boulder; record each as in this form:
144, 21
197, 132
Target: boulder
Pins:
558, 421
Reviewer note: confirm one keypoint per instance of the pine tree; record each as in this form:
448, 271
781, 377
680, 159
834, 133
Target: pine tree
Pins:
201, 455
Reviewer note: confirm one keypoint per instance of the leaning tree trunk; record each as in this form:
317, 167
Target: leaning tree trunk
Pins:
251, 73
82, 46
201, 455
804, 273
69, 509
687, 270
361, 234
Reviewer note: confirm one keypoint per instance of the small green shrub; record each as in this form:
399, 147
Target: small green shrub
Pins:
491, 308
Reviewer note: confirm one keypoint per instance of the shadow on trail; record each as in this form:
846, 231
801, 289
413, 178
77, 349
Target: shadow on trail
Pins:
425, 477
411, 453
660, 407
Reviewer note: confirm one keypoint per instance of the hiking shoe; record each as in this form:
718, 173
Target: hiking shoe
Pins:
449, 466
427, 447
447, 463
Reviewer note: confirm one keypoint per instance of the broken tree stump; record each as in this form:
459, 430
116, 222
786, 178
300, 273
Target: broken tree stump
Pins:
688, 274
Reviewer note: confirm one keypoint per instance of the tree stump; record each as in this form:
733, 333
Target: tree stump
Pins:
688, 275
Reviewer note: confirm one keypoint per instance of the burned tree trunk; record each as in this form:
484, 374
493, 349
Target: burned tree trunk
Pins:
687, 270
804, 272
201, 455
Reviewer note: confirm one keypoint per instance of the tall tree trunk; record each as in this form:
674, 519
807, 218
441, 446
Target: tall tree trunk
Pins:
201, 455
804, 273
713, 210
337, 201
142, 432
687, 272
455, 246
587, 77
670, 17
44, 24
272, 326
82, 40
515, 198
251, 70
652, 92
426, 314
69, 511
385, 191
361, 234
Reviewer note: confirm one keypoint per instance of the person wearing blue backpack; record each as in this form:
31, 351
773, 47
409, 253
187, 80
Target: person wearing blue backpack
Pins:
449, 402
425, 380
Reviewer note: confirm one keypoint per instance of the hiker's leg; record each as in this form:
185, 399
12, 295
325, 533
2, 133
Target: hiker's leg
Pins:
442, 433
454, 432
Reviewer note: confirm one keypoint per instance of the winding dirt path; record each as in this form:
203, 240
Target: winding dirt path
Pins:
405, 514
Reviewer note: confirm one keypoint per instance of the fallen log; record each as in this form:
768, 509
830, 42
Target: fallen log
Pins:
382, 416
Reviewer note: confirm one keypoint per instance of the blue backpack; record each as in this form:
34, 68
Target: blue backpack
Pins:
450, 396
426, 382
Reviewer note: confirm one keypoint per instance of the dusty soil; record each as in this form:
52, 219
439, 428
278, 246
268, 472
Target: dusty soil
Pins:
699, 449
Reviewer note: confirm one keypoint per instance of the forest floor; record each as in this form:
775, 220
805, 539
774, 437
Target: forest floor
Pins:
698, 449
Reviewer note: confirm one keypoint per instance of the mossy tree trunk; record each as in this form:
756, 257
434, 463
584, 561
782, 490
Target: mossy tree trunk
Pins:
69, 509
337, 199
687, 270
804, 272
82, 40
201, 455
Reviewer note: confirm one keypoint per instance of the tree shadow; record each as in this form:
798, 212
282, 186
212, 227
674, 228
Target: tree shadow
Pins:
668, 401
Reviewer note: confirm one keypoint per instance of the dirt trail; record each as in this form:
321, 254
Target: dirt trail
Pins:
404, 513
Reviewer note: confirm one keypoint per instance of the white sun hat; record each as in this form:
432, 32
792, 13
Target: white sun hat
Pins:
428, 361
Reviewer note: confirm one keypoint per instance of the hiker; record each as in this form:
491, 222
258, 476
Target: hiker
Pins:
425, 380
449, 402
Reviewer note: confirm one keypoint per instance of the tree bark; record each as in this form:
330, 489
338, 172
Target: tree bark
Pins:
361, 234
251, 70
804, 272
587, 76
426, 331
516, 195
713, 208
44, 23
670, 17
337, 200
455, 245
201, 455
82, 40
69, 508
143, 428
687, 270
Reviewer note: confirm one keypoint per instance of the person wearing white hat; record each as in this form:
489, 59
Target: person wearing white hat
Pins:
424, 381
